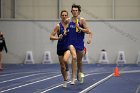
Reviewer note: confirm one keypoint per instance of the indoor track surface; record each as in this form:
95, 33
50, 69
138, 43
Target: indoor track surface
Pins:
46, 78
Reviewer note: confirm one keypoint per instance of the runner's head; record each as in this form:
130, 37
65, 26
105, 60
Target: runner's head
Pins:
75, 10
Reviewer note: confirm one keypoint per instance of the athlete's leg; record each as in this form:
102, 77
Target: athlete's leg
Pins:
66, 58
80, 74
74, 59
80, 55
62, 67
1, 60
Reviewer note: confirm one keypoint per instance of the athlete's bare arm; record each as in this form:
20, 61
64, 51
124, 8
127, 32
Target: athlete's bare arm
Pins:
54, 32
83, 23
90, 37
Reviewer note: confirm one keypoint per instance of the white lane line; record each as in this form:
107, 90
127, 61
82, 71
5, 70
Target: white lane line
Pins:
20, 78
29, 84
52, 88
138, 89
68, 82
104, 79
132, 71
96, 84
8, 74
25, 73
89, 75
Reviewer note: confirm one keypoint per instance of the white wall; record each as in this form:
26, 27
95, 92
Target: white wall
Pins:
49, 9
113, 36
36, 9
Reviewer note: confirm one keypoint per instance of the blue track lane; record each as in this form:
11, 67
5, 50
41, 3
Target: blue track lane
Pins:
126, 83
36, 78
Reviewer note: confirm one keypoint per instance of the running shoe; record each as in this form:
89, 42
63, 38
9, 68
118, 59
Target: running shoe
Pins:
65, 84
81, 77
73, 81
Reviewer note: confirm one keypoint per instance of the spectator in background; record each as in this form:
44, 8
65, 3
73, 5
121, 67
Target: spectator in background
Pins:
2, 46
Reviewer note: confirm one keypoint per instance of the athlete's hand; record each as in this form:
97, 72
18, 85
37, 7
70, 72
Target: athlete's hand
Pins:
77, 25
60, 37
65, 32
66, 21
89, 41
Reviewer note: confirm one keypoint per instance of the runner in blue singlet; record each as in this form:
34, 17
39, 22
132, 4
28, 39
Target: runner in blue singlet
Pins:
76, 39
62, 51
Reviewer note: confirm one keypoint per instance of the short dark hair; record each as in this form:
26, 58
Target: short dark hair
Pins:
64, 11
76, 6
